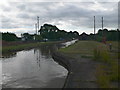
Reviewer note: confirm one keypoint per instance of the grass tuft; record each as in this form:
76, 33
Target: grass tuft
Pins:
102, 78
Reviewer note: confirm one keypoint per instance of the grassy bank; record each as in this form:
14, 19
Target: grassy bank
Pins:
25, 46
82, 49
107, 71
19, 47
107, 66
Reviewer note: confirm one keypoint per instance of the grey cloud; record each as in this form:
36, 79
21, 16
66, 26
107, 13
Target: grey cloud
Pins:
77, 14
6, 9
21, 6
23, 15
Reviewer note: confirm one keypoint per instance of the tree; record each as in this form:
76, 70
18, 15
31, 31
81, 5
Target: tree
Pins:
27, 36
9, 37
51, 32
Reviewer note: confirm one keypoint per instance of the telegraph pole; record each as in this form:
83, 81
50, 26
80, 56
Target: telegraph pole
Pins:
94, 25
38, 21
36, 28
104, 37
102, 23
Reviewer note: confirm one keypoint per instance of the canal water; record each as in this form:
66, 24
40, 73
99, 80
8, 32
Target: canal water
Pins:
33, 68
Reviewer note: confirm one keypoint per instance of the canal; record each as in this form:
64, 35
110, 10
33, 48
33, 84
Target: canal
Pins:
33, 68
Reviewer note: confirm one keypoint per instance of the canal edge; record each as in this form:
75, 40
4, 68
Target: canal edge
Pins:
64, 61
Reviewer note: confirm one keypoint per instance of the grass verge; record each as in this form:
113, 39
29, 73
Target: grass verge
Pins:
24, 46
107, 70
82, 49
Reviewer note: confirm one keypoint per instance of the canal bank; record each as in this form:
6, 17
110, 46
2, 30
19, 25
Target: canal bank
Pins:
81, 71
81, 74
14, 47
85, 69
21, 69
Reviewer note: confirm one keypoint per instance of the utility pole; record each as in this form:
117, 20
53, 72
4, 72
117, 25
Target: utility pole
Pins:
38, 21
104, 37
36, 28
102, 23
94, 25
102, 26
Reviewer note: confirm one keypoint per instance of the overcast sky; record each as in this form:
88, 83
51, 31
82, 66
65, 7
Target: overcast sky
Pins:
20, 16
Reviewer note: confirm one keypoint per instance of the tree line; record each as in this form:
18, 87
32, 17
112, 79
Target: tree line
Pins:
9, 37
50, 32
105, 34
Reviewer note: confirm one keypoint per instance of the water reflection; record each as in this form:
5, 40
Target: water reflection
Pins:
37, 54
45, 50
33, 68
9, 55
35, 65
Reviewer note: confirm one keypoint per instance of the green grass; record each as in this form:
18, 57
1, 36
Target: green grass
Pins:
18, 47
24, 46
107, 70
101, 54
82, 48
102, 78
108, 73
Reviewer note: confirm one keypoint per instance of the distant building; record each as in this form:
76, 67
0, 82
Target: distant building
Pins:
23, 38
84, 36
45, 39
34, 38
27, 37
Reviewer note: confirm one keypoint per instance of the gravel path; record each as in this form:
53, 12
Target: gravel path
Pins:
81, 71
82, 74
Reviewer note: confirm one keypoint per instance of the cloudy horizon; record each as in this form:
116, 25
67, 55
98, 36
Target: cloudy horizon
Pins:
20, 17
